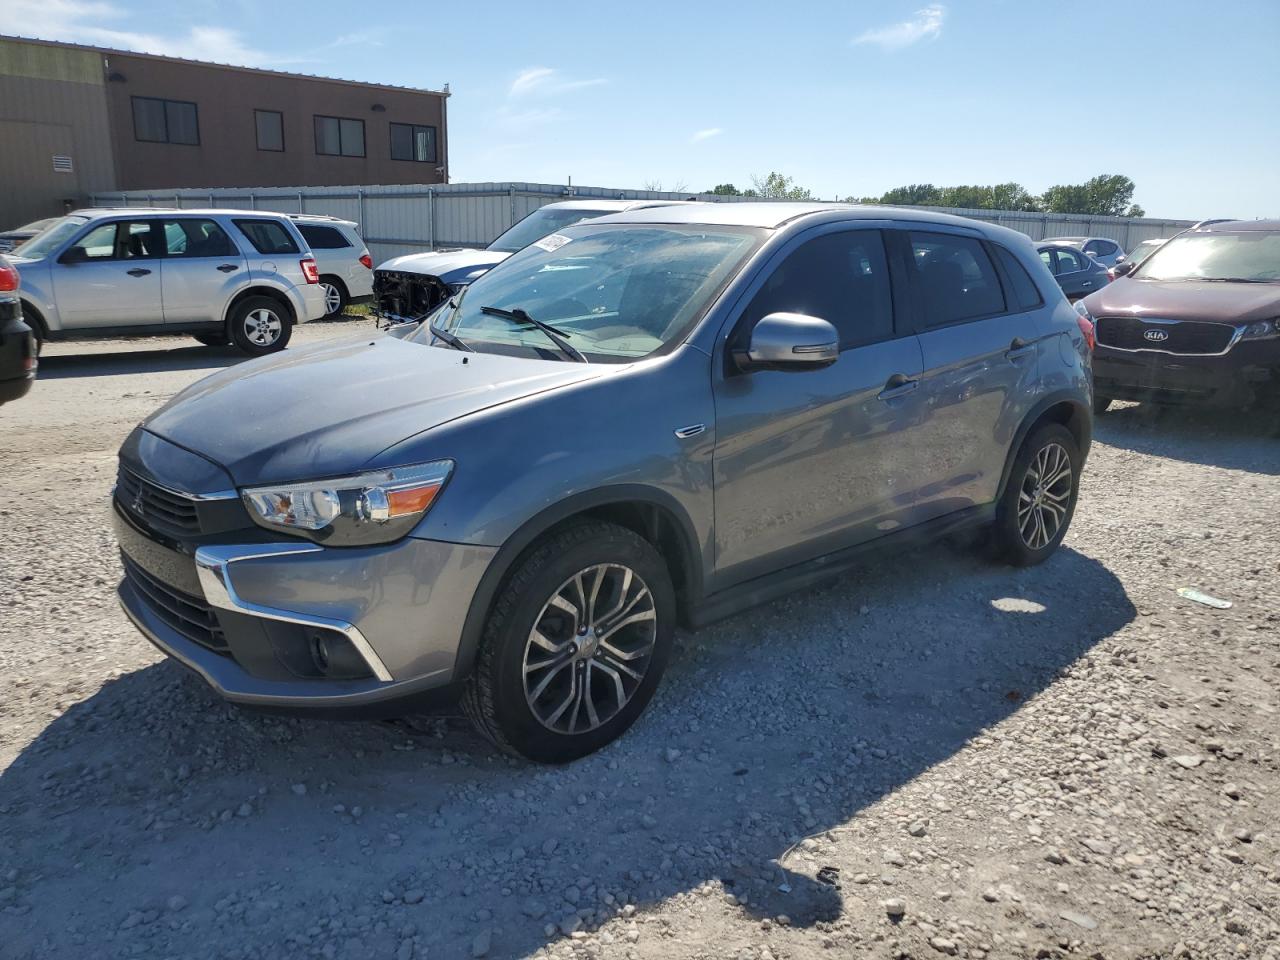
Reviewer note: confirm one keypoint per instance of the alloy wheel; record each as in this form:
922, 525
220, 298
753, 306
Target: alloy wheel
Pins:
1045, 496
262, 327
589, 648
332, 298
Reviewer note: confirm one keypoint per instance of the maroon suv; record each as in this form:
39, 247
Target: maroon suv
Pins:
1196, 322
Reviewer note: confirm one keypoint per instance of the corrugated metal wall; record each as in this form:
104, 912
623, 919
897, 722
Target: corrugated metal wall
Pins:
408, 219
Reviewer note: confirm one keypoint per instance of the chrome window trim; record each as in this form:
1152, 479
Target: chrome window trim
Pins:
1238, 332
213, 569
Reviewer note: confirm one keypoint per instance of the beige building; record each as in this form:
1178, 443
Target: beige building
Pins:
78, 120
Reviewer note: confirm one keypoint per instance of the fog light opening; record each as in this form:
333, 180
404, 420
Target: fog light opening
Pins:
319, 652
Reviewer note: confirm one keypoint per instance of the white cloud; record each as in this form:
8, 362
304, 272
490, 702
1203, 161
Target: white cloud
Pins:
98, 23
925, 24
706, 134
547, 81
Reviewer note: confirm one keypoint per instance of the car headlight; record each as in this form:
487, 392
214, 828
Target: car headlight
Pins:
375, 507
1262, 330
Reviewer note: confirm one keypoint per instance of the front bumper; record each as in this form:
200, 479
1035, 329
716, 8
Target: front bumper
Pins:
243, 616
17, 352
1244, 375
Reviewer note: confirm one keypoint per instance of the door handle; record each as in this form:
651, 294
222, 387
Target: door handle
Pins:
1019, 348
897, 385
137, 272
1087, 283
228, 267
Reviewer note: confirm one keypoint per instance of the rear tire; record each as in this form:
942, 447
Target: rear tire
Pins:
1039, 499
335, 295
260, 325
574, 646
211, 339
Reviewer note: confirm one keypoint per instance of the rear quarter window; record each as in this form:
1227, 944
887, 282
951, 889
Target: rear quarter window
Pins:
1025, 294
268, 236
322, 238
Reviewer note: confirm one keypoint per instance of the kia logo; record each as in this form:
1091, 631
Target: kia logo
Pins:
1156, 336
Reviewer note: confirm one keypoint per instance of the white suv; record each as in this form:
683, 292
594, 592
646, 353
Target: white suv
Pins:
346, 269
225, 276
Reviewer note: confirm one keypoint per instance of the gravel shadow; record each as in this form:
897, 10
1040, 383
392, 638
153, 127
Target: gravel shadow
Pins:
1233, 439
134, 361
151, 817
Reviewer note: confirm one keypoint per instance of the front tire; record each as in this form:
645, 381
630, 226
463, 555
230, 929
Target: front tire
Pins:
1040, 498
260, 325
335, 295
574, 646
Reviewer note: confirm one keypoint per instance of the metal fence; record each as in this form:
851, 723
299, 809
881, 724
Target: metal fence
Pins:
412, 218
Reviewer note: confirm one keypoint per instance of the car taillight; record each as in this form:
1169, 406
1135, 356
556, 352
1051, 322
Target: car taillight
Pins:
1111, 274
366, 260
1086, 327
9, 278
310, 270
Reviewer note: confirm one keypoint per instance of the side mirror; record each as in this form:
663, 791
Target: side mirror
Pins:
74, 255
789, 341
1122, 269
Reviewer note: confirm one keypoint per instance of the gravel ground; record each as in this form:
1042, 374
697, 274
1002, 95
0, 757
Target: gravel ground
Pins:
931, 757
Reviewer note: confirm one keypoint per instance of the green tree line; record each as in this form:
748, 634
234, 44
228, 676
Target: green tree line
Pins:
1107, 195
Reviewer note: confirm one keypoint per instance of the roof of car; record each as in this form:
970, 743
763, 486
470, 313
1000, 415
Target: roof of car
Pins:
320, 219
1238, 226
772, 214
1074, 240
99, 212
604, 204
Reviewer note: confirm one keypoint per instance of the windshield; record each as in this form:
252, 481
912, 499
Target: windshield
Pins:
1247, 256
1143, 250
50, 238
540, 223
615, 292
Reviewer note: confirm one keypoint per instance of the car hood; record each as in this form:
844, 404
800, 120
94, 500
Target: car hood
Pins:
1186, 300
451, 266
329, 409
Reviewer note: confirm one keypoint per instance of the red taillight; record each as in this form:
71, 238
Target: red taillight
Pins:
9, 278
366, 260
310, 270
1086, 327
1111, 274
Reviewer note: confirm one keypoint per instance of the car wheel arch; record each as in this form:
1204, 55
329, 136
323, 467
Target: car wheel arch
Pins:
258, 291
1062, 407
651, 513
34, 319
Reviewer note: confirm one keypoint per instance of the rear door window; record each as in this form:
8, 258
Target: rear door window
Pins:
956, 279
842, 278
268, 236
192, 237
1024, 292
322, 238
1069, 261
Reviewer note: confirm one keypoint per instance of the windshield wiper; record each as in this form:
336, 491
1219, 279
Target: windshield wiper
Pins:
1236, 279
555, 336
452, 339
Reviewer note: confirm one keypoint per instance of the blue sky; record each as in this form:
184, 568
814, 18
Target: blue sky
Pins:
848, 98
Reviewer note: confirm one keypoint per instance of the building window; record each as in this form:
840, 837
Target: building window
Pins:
270, 126
165, 121
339, 137
409, 141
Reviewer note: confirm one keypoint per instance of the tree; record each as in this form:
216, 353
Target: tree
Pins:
918, 194
656, 186
1012, 196
1106, 195
727, 190
777, 187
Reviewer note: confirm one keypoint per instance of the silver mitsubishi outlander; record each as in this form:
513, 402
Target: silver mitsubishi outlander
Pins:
657, 417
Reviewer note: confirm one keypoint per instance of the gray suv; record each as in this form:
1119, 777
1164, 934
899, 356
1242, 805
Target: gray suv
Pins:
224, 276
657, 417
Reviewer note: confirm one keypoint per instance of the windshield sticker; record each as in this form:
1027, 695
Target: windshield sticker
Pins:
553, 241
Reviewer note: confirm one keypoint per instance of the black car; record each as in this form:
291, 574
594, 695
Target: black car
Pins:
17, 343
1197, 322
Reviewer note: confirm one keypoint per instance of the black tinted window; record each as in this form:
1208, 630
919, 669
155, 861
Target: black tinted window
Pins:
270, 127
322, 238
339, 137
842, 278
1069, 261
268, 236
165, 121
410, 141
1025, 294
956, 279
192, 237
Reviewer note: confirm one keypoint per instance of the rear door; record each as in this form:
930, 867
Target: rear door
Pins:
979, 350
110, 276
203, 269
808, 462
1071, 268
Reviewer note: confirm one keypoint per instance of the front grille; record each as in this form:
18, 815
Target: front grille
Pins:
407, 295
188, 615
1184, 336
157, 507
